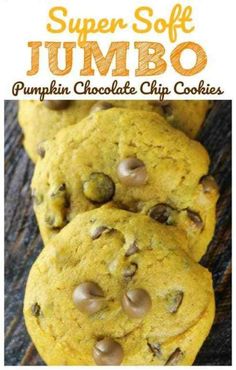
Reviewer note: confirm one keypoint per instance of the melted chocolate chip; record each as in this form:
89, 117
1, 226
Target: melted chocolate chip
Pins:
57, 104
101, 105
96, 233
155, 348
160, 213
58, 192
196, 219
88, 297
41, 150
131, 250
174, 300
209, 184
174, 358
136, 303
130, 271
132, 172
107, 352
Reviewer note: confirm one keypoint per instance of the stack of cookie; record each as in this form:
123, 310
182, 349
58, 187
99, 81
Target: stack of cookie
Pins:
126, 209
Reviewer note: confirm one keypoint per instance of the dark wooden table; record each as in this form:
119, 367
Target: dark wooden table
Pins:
23, 243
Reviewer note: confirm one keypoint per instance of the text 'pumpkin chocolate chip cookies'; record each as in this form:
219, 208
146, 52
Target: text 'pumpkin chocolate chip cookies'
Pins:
137, 161
41, 121
115, 288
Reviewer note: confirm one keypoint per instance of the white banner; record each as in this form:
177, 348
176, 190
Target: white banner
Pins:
156, 45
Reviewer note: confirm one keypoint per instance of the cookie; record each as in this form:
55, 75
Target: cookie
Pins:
117, 288
134, 159
40, 121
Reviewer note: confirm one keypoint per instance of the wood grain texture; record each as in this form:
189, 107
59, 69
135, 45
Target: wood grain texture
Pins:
23, 243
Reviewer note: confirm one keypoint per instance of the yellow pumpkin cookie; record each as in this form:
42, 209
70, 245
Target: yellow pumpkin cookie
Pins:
134, 159
40, 121
118, 288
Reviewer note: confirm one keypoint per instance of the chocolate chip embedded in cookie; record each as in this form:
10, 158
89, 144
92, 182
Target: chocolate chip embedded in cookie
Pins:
98, 231
167, 110
35, 309
99, 188
136, 303
174, 300
57, 104
132, 249
100, 105
196, 219
88, 297
41, 150
155, 306
132, 172
161, 213
209, 184
155, 348
130, 271
174, 358
107, 352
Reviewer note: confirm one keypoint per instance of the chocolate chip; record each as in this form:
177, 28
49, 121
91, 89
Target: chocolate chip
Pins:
174, 358
50, 220
58, 191
209, 184
160, 103
163, 103
174, 300
37, 198
131, 250
132, 172
96, 233
101, 105
136, 303
99, 188
58, 207
35, 309
168, 112
160, 212
57, 104
41, 150
107, 352
132, 206
166, 108
88, 297
130, 271
155, 348
195, 218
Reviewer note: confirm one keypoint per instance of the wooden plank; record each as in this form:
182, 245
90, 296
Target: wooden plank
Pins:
23, 243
